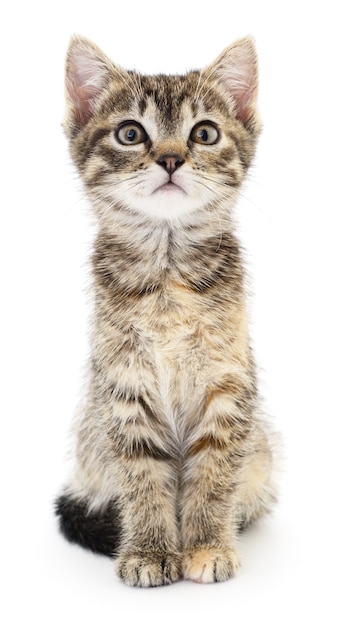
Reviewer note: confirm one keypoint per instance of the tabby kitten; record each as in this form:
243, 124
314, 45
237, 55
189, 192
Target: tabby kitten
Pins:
172, 456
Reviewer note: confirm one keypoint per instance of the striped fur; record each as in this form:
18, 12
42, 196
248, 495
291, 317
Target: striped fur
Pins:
171, 447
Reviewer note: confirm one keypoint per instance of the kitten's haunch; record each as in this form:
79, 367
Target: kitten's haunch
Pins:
173, 456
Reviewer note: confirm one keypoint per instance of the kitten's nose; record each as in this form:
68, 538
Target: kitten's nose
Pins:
170, 162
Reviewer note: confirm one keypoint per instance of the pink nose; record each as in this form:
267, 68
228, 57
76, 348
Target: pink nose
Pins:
170, 162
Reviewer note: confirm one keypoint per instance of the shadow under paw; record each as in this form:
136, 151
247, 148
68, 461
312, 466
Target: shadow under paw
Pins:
148, 569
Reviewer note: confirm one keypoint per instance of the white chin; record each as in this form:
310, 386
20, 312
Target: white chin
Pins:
167, 204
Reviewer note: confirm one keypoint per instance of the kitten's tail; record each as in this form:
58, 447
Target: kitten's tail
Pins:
98, 531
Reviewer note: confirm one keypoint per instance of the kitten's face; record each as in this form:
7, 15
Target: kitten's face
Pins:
160, 146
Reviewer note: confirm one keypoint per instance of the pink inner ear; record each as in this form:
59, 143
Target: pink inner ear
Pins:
81, 98
244, 101
239, 75
85, 80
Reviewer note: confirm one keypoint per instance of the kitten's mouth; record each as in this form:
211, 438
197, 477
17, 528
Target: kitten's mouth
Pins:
169, 187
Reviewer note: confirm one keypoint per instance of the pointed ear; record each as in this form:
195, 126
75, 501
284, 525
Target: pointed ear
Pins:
88, 73
236, 70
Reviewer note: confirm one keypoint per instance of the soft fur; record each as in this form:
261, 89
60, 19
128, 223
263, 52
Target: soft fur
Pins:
172, 457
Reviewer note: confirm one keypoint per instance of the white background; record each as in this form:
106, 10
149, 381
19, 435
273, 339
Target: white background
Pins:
287, 216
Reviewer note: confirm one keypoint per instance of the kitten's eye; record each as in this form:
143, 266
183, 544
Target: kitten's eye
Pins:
131, 134
205, 133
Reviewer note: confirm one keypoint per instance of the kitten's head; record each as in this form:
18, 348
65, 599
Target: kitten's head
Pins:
161, 146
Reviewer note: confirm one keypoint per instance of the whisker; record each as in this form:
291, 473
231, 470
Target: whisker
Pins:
136, 84
208, 74
138, 77
222, 185
117, 182
126, 78
196, 95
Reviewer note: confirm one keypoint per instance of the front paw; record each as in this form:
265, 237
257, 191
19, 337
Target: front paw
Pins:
148, 568
205, 564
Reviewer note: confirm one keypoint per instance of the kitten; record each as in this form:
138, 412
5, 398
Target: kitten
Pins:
172, 456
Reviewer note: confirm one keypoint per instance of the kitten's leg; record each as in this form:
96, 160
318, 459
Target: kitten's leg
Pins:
145, 479
127, 447
150, 551
212, 473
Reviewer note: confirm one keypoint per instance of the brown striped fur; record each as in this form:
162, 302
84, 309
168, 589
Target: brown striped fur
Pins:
171, 442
